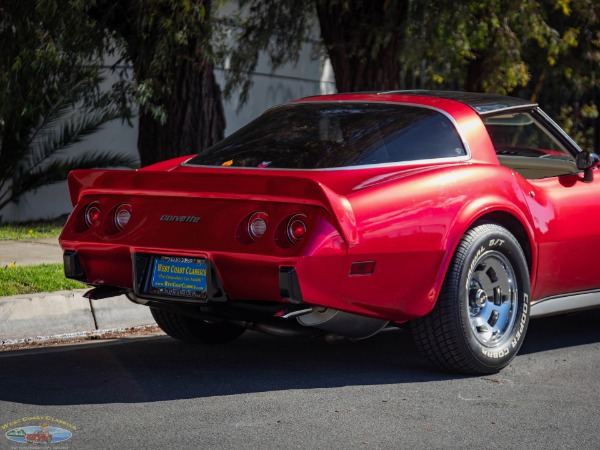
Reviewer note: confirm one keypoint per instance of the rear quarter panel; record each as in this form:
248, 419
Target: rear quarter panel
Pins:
412, 226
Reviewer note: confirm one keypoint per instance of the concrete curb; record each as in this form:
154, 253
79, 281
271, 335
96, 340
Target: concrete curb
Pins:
45, 315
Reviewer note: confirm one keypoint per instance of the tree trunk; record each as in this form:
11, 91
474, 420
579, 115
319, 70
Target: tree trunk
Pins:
195, 118
363, 41
192, 98
474, 75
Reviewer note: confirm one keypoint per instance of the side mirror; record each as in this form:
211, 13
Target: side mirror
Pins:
586, 161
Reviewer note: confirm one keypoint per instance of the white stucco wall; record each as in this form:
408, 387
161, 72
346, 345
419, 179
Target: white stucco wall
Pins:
308, 77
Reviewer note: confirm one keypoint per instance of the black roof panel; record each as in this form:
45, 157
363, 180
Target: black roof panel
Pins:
482, 103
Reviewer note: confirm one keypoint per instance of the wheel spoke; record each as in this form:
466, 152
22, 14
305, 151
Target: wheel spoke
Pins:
492, 298
486, 312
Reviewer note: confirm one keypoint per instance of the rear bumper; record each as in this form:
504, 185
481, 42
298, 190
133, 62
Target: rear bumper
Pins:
232, 276
314, 280
398, 290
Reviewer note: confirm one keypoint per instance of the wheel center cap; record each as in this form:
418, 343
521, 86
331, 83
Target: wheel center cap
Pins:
478, 297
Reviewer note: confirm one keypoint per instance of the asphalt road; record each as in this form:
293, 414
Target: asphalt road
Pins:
263, 392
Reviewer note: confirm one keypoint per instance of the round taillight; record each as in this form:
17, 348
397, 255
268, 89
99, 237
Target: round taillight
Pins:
92, 213
257, 224
296, 228
122, 216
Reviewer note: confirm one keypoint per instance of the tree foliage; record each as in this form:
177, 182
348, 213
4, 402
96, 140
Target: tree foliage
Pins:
278, 29
544, 50
568, 82
168, 46
53, 58
43, 76
163, 51
168, 43
364, 41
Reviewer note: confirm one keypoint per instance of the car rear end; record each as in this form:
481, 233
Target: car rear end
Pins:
263, 219
198, 236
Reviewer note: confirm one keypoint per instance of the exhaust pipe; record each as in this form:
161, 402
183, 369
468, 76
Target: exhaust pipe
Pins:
287, 332
345, 324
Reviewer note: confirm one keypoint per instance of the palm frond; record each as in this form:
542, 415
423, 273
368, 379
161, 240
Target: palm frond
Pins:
58, 170
67, 133
60, 103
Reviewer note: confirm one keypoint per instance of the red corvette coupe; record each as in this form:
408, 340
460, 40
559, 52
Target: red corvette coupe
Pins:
460, 214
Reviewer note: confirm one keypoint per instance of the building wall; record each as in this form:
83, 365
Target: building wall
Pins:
308, 77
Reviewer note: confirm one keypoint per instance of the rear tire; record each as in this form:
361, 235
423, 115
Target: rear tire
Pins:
195, 331
479, 321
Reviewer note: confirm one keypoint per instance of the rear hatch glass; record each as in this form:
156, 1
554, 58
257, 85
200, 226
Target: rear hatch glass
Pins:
330, 135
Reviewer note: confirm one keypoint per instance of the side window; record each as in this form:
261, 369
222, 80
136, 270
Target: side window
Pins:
432, 138
527, 147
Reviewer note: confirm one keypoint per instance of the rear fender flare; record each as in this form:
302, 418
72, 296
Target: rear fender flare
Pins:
499, 211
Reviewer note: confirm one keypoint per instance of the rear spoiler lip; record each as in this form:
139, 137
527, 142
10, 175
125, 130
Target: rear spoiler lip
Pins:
136, 183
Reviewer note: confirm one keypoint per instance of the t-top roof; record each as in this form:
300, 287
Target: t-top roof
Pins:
482, 103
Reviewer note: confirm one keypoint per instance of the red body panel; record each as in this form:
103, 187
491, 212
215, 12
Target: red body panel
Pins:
407, 218
564, 210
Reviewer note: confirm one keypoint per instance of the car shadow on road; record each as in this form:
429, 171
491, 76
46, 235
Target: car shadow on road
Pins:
562, 331
160, 368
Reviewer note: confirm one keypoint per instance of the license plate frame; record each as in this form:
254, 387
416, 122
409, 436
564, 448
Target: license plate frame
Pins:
178, 276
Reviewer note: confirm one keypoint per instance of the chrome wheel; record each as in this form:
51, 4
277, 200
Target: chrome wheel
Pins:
492, 298
480, 319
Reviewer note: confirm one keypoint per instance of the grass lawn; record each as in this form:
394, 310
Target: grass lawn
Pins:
17, 280
31, 230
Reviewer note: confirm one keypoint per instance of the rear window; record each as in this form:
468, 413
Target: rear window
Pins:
329, 135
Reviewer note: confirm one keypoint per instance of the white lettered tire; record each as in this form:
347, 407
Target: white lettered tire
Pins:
479, 321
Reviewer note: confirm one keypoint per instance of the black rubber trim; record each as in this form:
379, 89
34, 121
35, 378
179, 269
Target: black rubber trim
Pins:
72, 266
289, 286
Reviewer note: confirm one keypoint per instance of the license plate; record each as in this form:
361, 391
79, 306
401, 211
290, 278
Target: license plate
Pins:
179, 276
